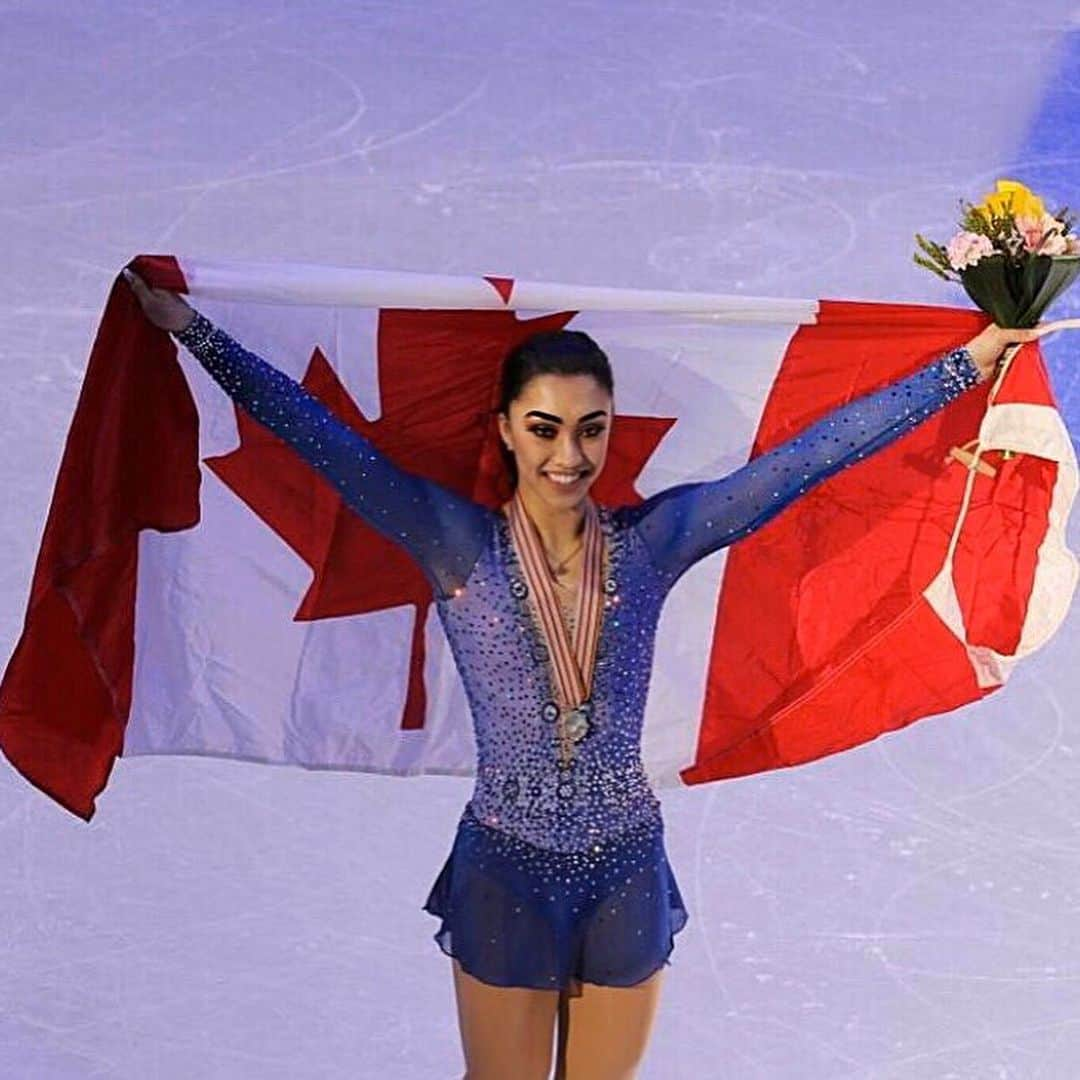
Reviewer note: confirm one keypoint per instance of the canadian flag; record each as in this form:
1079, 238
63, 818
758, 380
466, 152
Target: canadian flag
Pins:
201, 590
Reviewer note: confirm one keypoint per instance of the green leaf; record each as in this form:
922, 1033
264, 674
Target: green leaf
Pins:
935, 251
932, 267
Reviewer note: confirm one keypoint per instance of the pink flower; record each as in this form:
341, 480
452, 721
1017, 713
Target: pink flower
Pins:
967, 248
1032, 229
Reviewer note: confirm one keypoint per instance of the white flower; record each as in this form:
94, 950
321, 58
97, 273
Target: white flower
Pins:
1033, 228
967, 248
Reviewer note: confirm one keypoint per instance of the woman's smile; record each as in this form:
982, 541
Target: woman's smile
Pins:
565, 479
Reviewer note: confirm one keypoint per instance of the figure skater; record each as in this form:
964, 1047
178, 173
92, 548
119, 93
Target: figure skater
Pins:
557, 903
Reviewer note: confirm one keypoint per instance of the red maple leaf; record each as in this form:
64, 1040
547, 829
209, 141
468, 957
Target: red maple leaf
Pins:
438, 379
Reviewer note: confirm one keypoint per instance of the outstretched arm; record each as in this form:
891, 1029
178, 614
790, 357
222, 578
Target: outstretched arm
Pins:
683, 524
443, 531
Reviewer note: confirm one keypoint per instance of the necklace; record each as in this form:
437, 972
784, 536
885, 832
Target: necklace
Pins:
560, 568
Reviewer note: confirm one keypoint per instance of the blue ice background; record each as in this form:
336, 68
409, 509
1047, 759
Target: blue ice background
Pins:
904, 911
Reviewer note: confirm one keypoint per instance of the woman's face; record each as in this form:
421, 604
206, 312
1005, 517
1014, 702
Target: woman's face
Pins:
558, 429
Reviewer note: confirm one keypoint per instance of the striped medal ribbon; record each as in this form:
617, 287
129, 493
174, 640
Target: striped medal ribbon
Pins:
572, 662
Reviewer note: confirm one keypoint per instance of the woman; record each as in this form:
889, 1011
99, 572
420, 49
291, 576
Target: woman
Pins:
557, 898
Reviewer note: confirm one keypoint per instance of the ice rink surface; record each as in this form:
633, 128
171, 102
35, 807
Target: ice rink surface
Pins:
904, 911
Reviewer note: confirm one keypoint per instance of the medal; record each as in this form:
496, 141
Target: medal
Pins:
573, 727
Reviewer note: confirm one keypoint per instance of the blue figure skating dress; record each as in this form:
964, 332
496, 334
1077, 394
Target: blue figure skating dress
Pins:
558, 873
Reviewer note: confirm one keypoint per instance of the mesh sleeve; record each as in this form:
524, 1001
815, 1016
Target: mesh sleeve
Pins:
442, 531
683, 524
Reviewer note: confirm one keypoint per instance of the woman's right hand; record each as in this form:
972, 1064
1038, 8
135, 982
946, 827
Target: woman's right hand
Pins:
986, 348
163, 308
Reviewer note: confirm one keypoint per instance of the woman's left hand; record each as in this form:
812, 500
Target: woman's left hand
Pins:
986, 348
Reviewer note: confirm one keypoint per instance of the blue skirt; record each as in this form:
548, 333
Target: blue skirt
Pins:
514, 914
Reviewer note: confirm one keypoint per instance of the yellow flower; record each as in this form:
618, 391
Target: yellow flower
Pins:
1012, 196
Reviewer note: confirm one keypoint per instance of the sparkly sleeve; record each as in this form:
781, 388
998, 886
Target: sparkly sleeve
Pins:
442, 531
683, 524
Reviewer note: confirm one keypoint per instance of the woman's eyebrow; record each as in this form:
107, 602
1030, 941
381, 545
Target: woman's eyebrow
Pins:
558, 419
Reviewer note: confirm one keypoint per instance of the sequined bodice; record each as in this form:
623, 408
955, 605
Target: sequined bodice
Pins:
503, 659
466, 553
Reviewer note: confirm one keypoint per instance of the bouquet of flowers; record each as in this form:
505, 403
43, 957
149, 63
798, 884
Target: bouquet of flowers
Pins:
1011, 256
1013, 259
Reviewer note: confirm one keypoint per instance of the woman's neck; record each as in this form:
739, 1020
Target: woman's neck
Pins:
559, 529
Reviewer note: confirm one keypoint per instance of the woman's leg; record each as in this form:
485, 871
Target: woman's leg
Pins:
608, 1029
505, 1031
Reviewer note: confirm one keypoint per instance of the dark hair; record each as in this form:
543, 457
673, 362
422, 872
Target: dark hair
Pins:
551, 352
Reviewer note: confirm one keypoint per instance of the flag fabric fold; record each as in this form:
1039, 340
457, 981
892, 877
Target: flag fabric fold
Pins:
199, 590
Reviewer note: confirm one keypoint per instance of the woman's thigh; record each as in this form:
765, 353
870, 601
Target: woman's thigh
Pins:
608, 1029
505, 1031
